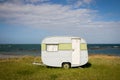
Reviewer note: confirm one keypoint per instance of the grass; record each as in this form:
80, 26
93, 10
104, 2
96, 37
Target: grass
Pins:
100, 67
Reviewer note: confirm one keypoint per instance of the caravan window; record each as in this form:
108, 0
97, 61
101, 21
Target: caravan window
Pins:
52, 47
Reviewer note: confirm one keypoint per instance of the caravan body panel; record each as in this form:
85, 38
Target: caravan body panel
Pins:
57, 50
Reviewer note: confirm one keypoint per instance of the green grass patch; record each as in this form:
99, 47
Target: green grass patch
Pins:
100, 67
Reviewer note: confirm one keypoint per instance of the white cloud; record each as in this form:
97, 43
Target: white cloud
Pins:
35, 1
79, 3
61, 20
24, 1
45, 15
50, 16
14, 1
87, 1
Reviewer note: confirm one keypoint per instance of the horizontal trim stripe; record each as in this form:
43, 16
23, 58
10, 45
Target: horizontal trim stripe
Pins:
64, 46
83, 46
43, 47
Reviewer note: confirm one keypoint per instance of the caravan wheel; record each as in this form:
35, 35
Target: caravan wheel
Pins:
66, 65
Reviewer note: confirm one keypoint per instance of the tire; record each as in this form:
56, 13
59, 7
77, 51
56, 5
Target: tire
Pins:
66, 65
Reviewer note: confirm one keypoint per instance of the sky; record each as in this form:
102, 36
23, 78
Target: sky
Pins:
30, 21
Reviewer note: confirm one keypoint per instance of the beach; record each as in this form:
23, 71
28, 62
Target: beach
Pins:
2, 56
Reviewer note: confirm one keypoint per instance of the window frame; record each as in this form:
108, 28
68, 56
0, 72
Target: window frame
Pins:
52, 50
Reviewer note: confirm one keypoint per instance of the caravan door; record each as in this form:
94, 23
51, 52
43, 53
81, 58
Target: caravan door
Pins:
76, 51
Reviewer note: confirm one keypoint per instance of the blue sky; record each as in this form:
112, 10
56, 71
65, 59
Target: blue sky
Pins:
29, 21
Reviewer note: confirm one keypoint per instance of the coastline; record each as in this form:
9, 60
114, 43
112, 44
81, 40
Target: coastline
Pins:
16, 54
4, 56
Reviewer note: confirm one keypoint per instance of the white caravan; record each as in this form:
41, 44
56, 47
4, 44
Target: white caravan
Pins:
64, 52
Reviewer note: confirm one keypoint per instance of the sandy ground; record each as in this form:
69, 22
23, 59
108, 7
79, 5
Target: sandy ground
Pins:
2, 56
9, 56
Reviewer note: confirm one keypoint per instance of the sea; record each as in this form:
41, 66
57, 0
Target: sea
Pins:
35, 49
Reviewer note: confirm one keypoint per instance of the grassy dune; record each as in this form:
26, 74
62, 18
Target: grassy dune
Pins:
100, 67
